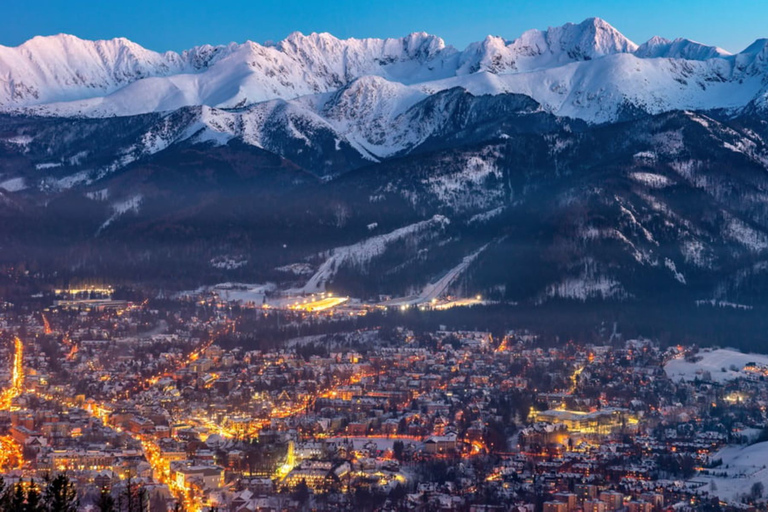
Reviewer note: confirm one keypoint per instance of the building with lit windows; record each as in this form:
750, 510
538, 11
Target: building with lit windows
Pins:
209, 477
603, 421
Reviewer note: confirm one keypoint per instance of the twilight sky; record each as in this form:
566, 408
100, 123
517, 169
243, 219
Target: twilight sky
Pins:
179, 24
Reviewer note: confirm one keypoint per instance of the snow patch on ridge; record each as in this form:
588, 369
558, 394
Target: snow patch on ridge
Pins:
651, 180
750, 238
119, 208
363, 252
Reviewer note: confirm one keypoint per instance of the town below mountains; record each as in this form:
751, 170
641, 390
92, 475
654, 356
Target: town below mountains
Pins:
187, 403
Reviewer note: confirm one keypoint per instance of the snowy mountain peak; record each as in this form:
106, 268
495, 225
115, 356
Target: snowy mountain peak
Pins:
655, 41
757, 47
51, 42
200, 57
753, 60
590, 39
659, 47
586, 70
536, 49
418, 45
492, 54
64, 67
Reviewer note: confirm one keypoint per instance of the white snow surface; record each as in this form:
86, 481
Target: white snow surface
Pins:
659, 47
228, 262
439, 287
743, 465
235, 292
587, 70
750, 238
363, 252
460, 189
487, 215
130, 204
585, 287
13, 185
673, 268
724, 304
651, 180
47, 165
713, 361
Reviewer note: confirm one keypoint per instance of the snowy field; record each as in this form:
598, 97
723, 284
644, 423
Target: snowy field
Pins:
236, 292
363, 252
13, 185
713, 361
744, 465
248, 293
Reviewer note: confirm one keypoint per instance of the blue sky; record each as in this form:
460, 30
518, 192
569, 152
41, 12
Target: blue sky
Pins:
179, 24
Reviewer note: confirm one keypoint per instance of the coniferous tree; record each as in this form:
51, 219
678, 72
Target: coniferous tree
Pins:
34, 501
60, 495
17, 496
5, 495
143, 499
106, 502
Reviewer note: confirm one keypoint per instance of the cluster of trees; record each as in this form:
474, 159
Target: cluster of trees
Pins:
261, 457
58, 494
130, 496
55, 494
363, 499
679, 466
554, 323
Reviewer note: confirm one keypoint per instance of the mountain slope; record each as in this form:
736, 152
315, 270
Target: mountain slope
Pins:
567, 164
563, 210
588, 71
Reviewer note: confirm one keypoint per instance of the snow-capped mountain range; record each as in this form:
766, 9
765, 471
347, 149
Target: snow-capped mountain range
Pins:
588, 71
568, 163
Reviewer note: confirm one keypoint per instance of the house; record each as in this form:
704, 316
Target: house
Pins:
440, 444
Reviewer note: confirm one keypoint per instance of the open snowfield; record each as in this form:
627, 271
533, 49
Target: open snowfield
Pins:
434, 290
249, 293
713, 361
13, 185
363, 252
237, 292
744, 465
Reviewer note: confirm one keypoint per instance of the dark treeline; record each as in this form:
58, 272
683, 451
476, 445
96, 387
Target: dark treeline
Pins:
55, 494
59, 494
555, 323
